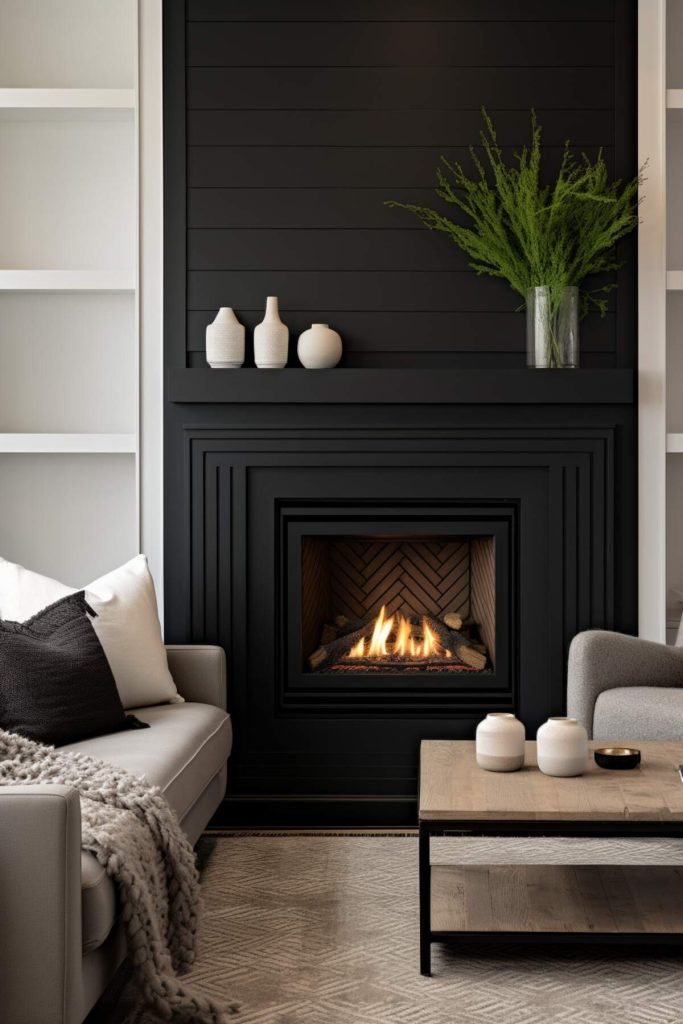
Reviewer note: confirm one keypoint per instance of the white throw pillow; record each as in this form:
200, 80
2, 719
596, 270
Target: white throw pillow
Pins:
127, 624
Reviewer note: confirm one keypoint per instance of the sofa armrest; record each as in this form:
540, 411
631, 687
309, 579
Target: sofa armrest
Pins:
600, 660
40, 905
199, 672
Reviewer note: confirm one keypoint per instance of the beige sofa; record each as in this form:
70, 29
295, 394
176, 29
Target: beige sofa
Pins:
60, 942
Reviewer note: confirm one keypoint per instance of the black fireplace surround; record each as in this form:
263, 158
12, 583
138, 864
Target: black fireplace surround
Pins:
286, 126
553, 484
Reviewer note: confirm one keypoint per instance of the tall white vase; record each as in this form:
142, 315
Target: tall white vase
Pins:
271, 339
562, 747
500, 743
225, 341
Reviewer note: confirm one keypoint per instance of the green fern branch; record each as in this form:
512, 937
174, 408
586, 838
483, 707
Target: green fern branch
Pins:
531, 234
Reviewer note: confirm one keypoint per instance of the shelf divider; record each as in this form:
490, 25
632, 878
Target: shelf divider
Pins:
67, 280
68, 443
65, 104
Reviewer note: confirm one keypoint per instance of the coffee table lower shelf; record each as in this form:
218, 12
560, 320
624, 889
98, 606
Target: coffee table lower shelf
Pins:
556, 903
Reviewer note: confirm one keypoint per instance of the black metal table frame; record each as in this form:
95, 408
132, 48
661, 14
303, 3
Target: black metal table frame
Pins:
617, 829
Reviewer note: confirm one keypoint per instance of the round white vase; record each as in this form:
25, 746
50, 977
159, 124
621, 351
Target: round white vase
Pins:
225, 341
271, 339
319, 348
500, 743
562, 747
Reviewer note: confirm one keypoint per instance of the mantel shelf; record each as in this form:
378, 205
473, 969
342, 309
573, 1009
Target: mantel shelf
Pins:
401, 386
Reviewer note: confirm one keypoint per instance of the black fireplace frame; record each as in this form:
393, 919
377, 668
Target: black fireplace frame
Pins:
300, 691
566, 468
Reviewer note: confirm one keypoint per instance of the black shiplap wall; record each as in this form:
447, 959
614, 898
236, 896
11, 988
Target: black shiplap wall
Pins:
302, 116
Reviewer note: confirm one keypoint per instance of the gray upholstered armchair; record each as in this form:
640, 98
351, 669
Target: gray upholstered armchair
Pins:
624, 688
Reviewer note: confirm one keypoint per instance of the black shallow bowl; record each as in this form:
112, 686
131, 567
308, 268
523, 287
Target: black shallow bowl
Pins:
617, 757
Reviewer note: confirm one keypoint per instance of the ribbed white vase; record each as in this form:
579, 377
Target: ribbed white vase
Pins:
225, 341
500, 743
562, 747
319, 348
271, 339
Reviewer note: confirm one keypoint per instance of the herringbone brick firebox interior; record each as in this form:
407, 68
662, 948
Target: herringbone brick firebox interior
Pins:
436, 584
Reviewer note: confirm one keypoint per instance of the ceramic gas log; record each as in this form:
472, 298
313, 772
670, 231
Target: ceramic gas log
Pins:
399, 643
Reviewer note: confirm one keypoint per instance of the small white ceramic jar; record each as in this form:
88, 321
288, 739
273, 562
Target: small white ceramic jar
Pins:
225, 341
319, 348
500, 743
562, 747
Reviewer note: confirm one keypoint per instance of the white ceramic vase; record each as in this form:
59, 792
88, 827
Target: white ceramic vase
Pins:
225, 340
319, 348
271, 339
562, 747
500, 743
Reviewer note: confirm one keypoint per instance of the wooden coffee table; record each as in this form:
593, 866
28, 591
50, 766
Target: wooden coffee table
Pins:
541, 903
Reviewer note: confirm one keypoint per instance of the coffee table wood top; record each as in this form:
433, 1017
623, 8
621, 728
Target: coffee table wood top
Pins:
453, 788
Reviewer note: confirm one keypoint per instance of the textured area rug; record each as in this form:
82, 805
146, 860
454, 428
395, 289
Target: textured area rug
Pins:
323, 929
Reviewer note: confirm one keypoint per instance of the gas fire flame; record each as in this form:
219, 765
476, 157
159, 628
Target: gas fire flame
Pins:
408, 642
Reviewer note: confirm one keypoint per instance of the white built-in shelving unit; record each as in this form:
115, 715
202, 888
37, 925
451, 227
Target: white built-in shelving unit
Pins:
660, 59
69, 285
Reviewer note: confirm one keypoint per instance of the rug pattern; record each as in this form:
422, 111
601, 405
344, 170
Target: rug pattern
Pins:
322, 929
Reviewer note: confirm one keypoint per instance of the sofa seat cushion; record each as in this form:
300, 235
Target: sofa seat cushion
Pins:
185, 747
639, 713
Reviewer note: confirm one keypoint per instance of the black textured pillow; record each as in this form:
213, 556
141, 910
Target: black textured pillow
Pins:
55, 682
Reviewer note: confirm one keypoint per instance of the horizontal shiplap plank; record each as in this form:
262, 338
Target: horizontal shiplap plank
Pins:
329, 167
353, 290
409, 332
398, 88
360, 359
297, 207
351, 249
395, 10
407, 44
442, 128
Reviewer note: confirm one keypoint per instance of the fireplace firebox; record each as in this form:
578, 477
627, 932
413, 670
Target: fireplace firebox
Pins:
399, 607
398, 604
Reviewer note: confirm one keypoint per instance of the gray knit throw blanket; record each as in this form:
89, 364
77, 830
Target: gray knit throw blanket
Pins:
128, 825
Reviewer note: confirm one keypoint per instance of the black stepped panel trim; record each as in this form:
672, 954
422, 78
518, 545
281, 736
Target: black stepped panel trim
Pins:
515, 387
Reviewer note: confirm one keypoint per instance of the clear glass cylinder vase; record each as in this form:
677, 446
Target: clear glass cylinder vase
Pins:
552, 328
